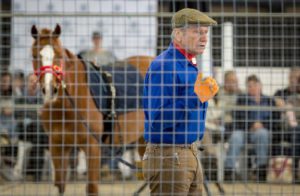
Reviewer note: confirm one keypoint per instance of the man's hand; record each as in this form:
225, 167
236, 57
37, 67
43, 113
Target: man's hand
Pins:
205, 89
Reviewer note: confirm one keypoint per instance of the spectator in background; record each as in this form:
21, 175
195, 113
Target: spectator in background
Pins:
7, 121
294, 102
8, 140
228, 98
18, 84
98, 55
218, 118
5, 86
253, 123
283, 94
288, 98
30, 129
292, 126
31, 92
5, 97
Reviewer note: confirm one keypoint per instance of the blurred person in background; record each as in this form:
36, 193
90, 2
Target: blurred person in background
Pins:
227, 97
33, 139
9, 133
7, 121
252, 125
291, 118
282, 95
98, 55
219, 120
8, 140
18, 83
295, 103
6, 102
288, 99
6, 86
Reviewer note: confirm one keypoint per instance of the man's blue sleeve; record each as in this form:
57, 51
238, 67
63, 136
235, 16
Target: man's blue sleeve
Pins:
166, 103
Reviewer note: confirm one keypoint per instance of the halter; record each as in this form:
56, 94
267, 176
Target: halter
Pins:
56, 70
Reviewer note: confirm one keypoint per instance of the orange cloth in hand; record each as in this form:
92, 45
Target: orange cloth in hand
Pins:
205, 88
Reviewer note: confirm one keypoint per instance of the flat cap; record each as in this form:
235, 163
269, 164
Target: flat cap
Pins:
191, 16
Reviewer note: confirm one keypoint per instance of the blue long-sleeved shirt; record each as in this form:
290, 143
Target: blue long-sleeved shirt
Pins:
173, 112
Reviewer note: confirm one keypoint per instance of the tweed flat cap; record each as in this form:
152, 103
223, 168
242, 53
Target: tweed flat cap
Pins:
191, 16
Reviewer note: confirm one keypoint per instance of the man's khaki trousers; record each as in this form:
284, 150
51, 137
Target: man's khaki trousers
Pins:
173, 169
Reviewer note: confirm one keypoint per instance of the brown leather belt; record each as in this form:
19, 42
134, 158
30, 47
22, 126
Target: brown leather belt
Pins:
189, 146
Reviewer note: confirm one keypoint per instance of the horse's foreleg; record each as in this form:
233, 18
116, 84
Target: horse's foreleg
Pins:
93, 158
60, 156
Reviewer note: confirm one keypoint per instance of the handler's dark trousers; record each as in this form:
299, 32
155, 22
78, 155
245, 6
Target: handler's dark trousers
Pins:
173, 169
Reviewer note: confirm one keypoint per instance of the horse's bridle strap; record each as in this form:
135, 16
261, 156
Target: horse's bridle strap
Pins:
53, 69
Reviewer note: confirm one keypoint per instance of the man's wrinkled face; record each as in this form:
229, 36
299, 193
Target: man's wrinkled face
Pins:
194, 39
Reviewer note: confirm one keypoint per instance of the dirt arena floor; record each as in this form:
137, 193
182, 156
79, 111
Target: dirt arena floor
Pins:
128, 188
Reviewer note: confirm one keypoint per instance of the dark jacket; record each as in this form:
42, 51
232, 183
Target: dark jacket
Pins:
244, 118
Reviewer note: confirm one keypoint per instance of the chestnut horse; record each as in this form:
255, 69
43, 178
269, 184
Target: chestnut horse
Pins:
69, 114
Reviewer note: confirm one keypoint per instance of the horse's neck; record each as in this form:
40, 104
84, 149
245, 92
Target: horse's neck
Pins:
76, 80
79, 97
75, 69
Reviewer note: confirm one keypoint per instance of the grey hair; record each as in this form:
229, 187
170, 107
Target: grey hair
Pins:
173, 34
180, 28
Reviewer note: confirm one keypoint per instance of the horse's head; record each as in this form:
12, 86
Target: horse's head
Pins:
48, 54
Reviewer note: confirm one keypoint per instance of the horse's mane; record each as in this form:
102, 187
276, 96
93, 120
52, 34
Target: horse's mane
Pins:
73, 60
70, 55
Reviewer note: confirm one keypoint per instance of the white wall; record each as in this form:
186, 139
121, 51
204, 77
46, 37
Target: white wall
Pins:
125, 36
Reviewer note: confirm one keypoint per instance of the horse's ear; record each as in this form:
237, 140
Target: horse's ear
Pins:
56, 31
34, 32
